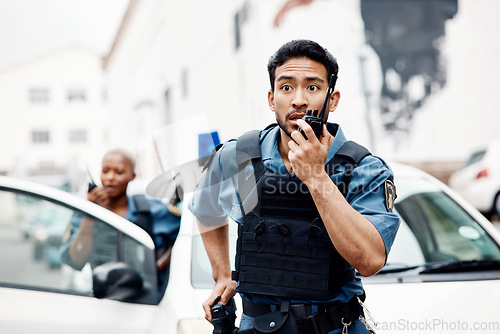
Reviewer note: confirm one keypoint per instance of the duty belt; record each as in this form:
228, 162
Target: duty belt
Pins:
327, 318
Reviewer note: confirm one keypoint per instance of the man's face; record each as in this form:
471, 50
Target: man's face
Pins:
116, 173
299, 84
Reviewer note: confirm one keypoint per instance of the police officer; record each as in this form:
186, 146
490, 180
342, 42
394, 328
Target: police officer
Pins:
89, 242
310, 210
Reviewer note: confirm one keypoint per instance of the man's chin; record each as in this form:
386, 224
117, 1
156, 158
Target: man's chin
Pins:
288, 128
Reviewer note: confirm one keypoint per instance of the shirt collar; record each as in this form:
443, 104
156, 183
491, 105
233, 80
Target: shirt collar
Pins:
338, 141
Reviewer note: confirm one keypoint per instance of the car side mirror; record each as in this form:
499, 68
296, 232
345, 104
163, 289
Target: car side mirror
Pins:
117, 281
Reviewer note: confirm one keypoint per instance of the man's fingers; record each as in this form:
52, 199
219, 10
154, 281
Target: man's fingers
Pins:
309, 132
207, 306
292, 145
228, 294
325, 136
208, 313
226, 291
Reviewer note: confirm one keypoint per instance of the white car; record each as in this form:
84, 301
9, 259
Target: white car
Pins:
478, 180
443, 274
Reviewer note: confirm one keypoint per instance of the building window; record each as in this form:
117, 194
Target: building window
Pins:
46, 165
168, 106
78, 136
76, 95
185, 82
40, 136
39, 95
240, 18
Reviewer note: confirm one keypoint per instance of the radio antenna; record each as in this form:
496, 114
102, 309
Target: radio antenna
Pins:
333, 79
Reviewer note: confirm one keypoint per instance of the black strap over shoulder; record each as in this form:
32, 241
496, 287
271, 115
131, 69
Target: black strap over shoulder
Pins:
248, 151
353, 151
349, 155
144, 219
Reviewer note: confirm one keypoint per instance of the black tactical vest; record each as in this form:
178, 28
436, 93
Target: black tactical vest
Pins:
283, 248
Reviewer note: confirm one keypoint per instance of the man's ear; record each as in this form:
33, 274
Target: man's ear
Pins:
334, 100
270, 100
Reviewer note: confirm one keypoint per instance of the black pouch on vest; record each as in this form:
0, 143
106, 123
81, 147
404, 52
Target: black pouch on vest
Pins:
275, 322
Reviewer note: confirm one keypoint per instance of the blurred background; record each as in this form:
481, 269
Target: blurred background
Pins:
418, 79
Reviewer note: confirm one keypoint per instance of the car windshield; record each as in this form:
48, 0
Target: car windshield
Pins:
475, 157
435, 228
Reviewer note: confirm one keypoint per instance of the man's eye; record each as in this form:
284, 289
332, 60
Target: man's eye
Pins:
286, 88
313, 88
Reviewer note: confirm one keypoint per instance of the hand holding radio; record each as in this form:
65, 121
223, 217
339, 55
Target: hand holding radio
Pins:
97, 196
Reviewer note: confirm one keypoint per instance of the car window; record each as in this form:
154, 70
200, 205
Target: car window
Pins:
475, 157
35, 235
443, 229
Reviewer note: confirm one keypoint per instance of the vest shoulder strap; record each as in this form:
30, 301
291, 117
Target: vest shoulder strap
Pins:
349, 155
248, 152
351, 151
248, 146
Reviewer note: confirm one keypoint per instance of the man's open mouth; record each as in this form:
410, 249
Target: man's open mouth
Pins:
295, 117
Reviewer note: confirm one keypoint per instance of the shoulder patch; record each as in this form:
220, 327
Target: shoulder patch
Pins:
390, 195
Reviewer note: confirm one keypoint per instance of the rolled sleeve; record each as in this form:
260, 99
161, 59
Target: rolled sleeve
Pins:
207, 202
367, 196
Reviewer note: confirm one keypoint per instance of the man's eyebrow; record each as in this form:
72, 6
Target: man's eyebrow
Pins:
285, 77
315, 79
288, 77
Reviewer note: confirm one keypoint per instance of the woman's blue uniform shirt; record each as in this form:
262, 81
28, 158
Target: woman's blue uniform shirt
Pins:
165, 225
216, 197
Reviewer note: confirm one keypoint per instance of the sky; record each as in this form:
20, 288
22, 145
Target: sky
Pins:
29, 27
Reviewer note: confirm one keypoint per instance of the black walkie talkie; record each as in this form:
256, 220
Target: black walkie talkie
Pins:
92, 184
313, 119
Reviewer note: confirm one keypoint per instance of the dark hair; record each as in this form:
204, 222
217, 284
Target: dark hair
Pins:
298, 49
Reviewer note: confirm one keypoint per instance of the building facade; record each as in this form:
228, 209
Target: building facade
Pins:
180, 69
54, 117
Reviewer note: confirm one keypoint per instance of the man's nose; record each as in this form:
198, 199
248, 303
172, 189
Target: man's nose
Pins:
299, 99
